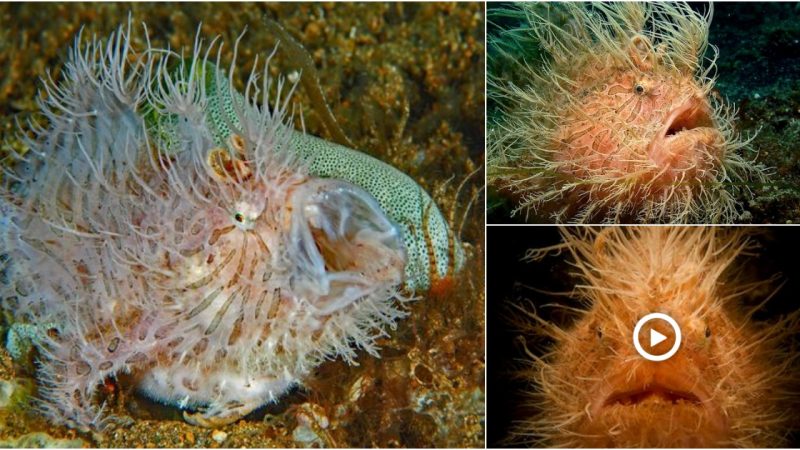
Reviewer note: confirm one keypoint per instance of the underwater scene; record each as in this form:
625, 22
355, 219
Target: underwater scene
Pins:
643, 337
666, 112
242, 225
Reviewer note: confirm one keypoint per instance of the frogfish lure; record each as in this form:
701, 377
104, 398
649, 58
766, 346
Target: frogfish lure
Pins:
177, 230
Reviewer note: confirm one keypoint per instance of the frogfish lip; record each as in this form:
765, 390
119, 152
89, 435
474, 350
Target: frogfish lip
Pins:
685, 128
638, 386
692, 113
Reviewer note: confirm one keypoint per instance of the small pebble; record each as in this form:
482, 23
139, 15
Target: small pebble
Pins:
219, 436
190, 438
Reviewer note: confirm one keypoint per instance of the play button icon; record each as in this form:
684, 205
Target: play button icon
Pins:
657, 337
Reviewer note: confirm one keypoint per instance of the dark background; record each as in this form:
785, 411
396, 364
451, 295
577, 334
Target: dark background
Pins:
509, 279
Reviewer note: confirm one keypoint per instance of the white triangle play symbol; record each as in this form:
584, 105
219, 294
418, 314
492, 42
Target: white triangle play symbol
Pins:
656, 337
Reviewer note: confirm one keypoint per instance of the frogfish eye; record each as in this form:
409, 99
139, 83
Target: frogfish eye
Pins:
639, 89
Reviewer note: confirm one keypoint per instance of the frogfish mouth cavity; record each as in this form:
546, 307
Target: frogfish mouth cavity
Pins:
344, 246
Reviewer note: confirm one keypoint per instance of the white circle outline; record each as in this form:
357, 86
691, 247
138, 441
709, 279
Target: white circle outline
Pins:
648, 318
